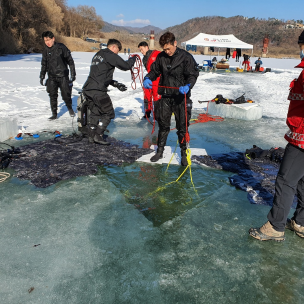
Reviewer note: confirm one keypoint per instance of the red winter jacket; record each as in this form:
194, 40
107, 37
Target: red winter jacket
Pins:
150, 94
295, 115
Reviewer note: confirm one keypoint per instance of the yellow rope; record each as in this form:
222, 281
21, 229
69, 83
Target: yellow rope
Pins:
188, 153
172, 157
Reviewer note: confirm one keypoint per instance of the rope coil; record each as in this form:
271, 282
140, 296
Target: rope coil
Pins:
4, 176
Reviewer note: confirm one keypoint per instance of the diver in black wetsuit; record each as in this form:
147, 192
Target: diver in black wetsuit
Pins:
101, 108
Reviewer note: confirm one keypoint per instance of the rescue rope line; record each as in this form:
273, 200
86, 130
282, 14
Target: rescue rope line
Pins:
137, 72
188, 153
4, 176
172, 156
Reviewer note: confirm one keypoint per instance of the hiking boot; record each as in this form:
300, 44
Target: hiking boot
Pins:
157, 156
54, 116
266, 233
292, 225
100, 140
71, 112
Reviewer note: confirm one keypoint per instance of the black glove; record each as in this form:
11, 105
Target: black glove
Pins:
118, 85
41, 81
121, 87
73, 78
132, 60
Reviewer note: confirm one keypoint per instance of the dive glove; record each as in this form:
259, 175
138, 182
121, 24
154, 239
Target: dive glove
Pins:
147, 83
118, 85
121, 87
132, 60
185, 89
41, 81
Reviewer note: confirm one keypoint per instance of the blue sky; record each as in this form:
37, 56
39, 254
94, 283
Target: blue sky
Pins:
165, 13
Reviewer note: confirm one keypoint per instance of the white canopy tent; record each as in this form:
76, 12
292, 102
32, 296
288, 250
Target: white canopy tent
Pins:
218, 41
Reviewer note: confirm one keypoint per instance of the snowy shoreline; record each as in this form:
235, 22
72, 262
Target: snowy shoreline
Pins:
23, 98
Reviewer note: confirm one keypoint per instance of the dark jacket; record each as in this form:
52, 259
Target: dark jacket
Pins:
146, 57
102, 68
55, 61
177, 70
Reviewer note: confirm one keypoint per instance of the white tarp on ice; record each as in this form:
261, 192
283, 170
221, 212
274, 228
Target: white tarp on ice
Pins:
168, 151
220, 41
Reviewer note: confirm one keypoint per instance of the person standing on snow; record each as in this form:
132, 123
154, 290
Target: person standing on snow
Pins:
149, 94
290, 178
177, 68
95, 88
55, 59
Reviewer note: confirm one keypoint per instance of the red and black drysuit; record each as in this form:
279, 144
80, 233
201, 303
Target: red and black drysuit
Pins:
290, 178
177, 70
55, 61
95, 88
150, 95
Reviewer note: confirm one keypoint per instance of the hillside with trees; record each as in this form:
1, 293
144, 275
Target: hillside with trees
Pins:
23, 21
251, 30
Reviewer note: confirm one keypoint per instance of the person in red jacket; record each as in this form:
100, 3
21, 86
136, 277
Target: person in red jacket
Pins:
149, 94
290, 178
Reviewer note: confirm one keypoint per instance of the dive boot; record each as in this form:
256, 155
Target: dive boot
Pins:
157, 156
54, 116
292, 225
100, 140
146, 116
266, 233
91, 133
71, 112
184, 161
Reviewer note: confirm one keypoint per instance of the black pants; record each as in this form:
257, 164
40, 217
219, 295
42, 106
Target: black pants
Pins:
290, 181
257, 67
163, 111
52, 88
102, 111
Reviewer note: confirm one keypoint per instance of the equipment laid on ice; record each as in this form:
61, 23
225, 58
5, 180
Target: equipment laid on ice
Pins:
239, 108
47, 162
256, 171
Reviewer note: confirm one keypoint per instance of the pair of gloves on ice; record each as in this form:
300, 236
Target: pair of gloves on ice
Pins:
183, 89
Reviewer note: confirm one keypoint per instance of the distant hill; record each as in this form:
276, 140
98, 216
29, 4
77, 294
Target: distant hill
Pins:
249, 30
144, 30
108, 27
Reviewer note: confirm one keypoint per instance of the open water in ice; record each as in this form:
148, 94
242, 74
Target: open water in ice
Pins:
110, 238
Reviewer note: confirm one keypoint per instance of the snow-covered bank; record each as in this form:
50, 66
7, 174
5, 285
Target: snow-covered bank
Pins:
22, 96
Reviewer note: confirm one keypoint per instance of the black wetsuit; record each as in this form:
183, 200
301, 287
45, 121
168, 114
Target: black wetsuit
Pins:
55, 62
177, 70
95, 89
238, 54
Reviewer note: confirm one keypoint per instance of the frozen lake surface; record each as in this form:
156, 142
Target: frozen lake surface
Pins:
111, 238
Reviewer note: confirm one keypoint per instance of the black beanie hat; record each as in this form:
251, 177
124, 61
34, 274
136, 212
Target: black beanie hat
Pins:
301, 38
